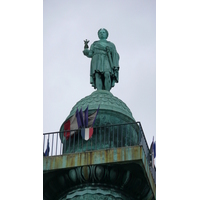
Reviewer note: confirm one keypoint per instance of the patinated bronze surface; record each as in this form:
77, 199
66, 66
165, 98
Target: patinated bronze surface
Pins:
105, 62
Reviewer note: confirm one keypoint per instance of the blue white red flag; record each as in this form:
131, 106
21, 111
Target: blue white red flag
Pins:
72, 123
92, 118
46, 153
153, 152
80, 120
86, 133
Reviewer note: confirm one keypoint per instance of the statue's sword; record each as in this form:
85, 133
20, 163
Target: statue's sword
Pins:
110, 60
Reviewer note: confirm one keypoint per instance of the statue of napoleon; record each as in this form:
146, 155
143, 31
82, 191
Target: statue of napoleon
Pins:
105, 62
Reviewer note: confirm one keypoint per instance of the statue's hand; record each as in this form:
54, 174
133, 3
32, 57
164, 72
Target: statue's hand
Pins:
86, 52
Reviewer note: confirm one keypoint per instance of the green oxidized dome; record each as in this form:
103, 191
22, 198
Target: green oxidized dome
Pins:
112, 111
107, 102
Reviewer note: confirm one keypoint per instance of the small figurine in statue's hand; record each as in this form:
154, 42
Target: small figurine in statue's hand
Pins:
86, 44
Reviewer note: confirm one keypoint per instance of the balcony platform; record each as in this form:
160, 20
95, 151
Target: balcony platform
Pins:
96, 162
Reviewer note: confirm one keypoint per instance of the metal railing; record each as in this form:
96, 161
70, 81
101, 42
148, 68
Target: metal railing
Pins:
106, 137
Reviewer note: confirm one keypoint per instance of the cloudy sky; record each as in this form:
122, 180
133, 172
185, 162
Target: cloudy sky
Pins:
131, 27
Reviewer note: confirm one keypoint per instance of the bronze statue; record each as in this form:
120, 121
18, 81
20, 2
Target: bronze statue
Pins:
105, 62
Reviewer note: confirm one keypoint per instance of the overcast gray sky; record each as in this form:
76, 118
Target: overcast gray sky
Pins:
131, 25
132, 28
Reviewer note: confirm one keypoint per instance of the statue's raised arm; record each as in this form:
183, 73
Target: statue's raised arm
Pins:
105, 62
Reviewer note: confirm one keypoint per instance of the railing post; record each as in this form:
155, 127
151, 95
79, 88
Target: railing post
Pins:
44, 144
121, 135
69, 140
82, 143
129, 133
52, 145
109, 137
96, 140
126, 136
60, 146
74, 142
56, 143
104, 136
113, 137
91, 142
64, 145
117, 135
140, 134
78, 138
48, 150
100, 138
86, 148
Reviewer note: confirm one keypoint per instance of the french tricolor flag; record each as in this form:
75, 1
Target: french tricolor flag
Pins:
153, 152
86, 133
80, 120
72, 124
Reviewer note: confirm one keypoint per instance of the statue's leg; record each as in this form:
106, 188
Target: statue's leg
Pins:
107, 81
99, 83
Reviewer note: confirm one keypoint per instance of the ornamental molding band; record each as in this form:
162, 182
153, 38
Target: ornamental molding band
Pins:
111, 181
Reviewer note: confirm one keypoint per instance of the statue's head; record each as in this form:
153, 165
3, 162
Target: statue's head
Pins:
103, 33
